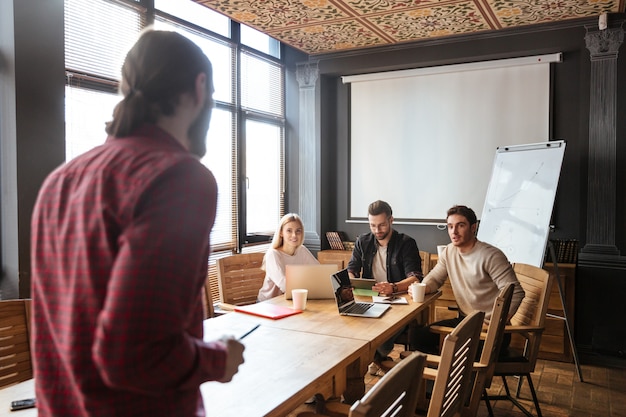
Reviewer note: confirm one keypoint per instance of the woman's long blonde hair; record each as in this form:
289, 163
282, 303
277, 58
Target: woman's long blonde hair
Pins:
277, 241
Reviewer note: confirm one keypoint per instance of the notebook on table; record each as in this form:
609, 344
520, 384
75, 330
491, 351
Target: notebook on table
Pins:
267, 310
346, 304
313, 277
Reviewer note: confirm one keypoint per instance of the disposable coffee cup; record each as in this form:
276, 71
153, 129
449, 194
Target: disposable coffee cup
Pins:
418, 291
299, 298
440, 249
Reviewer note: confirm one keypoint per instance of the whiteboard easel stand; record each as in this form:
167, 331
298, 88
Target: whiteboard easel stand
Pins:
565, 316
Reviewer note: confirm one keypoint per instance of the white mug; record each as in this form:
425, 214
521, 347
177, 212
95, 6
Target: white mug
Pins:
417, 291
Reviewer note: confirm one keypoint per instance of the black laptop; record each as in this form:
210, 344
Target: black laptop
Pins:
345, 298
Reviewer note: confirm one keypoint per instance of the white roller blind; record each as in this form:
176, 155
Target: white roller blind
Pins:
424, 140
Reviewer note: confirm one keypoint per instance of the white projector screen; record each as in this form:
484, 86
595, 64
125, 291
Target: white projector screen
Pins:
425, 139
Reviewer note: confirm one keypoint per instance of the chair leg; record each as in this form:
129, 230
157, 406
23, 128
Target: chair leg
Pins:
534, 394
519, 386
514, 400
487, 403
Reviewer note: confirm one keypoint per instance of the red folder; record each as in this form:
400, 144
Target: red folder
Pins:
268, 310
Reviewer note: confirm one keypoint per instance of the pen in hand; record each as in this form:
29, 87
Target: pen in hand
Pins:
249, 331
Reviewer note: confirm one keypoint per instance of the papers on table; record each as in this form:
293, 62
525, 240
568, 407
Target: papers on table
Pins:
389, 300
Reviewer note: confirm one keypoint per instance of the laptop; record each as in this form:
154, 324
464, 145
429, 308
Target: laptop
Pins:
313, 277
345, 299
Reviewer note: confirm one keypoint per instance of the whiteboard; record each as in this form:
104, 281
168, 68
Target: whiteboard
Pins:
520, 197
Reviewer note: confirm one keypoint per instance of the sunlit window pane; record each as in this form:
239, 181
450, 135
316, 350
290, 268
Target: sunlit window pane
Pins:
220, 160
196, 14
86, 112
263, 176
261, 85
260, 41
98, 35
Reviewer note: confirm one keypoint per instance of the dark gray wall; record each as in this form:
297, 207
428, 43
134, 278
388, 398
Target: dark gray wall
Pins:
33, 125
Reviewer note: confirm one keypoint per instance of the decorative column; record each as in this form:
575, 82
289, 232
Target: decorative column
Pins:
309, 155
601, 194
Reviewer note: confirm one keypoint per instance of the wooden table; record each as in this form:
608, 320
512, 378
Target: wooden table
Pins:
20, 391
282, 369
321, 317
288, 360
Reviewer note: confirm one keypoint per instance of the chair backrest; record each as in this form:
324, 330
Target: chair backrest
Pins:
491, 348
15, 359
240, 278
207, 300
425, 262
537, 284
455, 369
495, 331
396, 393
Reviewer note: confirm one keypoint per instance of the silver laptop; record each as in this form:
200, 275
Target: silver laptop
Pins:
345, 299
313, 277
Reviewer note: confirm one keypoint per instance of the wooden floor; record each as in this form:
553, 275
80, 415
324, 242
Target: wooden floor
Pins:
561, 394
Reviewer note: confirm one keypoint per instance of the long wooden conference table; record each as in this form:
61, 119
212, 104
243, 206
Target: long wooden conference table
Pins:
288, 360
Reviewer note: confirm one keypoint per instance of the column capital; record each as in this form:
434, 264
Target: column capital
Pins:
307, 74
605, 43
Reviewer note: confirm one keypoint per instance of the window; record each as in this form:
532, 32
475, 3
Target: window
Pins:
97, 37
246, 137
260, 41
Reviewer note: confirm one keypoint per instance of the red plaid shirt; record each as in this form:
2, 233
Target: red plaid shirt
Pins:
120, 246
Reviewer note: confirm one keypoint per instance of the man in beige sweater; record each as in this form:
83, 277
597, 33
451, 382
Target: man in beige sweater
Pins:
477, 272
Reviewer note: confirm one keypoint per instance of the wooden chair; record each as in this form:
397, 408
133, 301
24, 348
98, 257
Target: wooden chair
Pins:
527, 324
425, 256
395, 394
453, 375
15, 359
207, 300
485, 367
240, 278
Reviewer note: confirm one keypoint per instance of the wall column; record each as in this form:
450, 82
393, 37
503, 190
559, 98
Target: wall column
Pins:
601, 195
599, 262
309, 155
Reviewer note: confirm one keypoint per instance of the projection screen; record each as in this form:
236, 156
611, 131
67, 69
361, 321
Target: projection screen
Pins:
425, 139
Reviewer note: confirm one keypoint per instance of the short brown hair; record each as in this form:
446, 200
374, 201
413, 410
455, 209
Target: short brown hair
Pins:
379, 207
464, 211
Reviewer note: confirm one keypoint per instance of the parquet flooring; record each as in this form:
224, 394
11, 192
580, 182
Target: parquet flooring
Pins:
561, 394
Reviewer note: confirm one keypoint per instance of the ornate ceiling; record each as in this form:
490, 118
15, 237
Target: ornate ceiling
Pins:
325, 26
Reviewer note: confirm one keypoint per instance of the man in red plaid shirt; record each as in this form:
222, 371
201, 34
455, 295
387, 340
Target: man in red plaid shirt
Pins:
120, 247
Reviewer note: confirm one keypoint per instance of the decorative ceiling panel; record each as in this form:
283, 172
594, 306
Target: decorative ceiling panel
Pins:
324, 26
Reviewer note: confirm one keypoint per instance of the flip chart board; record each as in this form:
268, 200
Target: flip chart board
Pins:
520, 197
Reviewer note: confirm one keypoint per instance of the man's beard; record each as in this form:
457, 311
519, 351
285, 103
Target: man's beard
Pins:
198, 131
383, 237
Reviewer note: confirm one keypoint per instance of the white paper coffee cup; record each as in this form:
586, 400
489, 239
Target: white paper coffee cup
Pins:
440, 249
299, 298
417, 291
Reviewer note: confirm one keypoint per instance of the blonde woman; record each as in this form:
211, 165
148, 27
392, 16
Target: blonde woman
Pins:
286, 249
